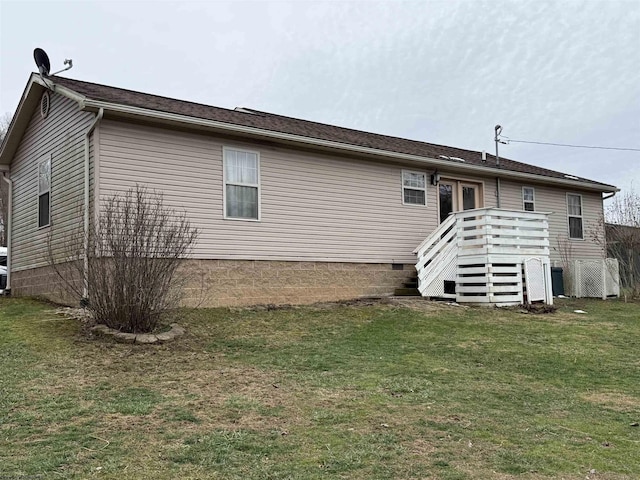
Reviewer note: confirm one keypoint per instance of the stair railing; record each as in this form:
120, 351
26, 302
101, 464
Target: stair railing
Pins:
435, 249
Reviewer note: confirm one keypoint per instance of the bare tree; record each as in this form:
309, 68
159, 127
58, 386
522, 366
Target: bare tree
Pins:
135, 250
5, 121
624, 209
619, 232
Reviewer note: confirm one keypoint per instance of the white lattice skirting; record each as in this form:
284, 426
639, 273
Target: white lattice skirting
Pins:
594, 278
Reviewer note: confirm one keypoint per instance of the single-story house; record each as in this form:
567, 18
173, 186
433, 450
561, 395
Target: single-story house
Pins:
289, 210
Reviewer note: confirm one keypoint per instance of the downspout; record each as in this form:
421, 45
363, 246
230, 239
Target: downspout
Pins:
85, 267
8, 228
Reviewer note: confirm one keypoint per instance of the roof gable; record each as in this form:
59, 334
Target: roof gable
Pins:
28, 102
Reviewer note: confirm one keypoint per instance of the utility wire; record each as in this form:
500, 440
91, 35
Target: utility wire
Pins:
574, 146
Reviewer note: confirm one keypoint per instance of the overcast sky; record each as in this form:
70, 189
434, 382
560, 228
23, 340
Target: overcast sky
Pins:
443, 72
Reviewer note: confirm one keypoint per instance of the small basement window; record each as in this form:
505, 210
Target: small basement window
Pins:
44, 192
414, 188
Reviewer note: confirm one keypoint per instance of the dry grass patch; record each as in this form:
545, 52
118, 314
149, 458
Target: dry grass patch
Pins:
619, 402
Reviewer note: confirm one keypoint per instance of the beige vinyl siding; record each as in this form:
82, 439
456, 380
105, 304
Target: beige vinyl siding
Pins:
61, 135
313, 206
554, 200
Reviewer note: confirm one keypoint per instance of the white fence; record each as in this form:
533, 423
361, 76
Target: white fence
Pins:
594, 278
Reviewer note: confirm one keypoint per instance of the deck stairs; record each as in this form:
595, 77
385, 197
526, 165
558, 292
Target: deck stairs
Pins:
437, 260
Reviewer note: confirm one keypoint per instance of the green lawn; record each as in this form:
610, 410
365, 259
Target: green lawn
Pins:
370, 391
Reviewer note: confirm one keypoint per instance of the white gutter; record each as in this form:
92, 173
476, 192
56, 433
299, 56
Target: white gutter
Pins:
85, 267
8, 226
62, 90
172, 117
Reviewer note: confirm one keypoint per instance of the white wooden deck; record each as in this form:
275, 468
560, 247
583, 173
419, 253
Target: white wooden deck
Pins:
479, 256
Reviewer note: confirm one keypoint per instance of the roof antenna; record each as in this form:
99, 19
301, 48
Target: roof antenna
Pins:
44, 65
69, 65
498, 129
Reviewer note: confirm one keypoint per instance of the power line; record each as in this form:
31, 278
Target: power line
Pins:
574, 146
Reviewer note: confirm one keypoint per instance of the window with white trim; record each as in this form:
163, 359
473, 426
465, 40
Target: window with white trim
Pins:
414, 188
574, 214
44, 192
528, 199
241, 184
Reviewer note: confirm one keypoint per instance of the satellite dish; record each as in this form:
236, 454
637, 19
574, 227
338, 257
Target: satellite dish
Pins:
42, 61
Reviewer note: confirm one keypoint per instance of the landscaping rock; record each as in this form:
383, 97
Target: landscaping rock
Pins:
142, 338
166, 336
125, 337
101, 328
146, 338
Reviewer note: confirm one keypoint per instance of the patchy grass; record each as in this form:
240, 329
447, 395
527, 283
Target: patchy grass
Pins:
409, 389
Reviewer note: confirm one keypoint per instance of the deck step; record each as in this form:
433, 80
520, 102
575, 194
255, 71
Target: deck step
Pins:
411, 283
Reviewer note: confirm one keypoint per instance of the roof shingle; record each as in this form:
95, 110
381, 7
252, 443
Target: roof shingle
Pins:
305, 128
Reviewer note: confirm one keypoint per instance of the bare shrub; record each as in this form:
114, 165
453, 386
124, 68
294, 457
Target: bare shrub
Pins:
619, 233
135, 249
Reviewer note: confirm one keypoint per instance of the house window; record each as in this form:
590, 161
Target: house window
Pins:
44, 192
528, 199
414, 188
241, 184
574, 213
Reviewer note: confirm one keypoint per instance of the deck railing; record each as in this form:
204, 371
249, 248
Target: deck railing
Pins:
490, 231
435, 254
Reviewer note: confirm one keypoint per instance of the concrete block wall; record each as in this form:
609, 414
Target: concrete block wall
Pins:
221, 283
253, 282
46, 283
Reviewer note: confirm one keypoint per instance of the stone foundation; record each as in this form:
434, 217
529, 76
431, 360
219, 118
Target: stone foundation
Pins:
218, 283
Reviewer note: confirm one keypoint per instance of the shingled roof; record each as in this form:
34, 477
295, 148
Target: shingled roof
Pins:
294, 126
